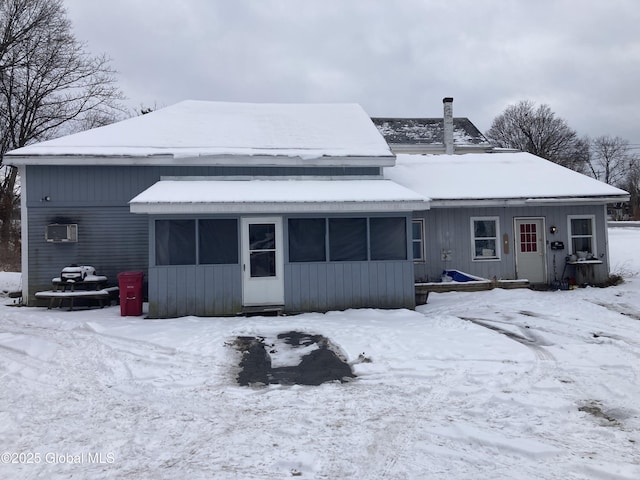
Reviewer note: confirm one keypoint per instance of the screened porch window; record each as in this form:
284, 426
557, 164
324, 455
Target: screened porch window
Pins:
347, 239
307, 240
388, 238
582, 234
484, 238
175, 242
218, 241
179, 242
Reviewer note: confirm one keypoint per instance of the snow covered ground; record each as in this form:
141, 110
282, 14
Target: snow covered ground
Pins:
500, 384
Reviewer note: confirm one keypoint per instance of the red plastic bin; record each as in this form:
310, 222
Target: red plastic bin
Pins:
130, 285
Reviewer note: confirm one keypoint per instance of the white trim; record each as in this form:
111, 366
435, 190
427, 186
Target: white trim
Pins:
498, 246
423, 255
542, 246
24, 233
276, 207
529, 202
593, 236
259, 291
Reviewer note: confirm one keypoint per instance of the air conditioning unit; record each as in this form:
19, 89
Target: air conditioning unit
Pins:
62, 232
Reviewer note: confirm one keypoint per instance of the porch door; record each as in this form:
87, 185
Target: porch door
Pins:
262, 261
531, 262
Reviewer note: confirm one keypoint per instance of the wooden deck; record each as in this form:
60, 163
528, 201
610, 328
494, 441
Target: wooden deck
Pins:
423, 289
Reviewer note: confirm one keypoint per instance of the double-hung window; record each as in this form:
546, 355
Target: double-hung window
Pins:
417, 239
485, 232
582, 234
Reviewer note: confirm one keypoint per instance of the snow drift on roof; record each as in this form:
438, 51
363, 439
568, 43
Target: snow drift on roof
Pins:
284, 195
198, 128
486, 176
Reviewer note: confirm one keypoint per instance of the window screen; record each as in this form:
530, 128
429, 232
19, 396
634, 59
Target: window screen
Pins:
307, 240
218, 241
175, 242
388, 237
347, 239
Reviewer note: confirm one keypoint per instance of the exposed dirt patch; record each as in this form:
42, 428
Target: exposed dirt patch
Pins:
320, 365
595, 409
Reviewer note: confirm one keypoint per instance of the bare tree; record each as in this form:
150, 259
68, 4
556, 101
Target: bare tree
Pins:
537, 130
49, 86
610, 160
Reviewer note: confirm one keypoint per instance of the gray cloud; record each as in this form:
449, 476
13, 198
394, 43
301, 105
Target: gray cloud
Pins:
582, 57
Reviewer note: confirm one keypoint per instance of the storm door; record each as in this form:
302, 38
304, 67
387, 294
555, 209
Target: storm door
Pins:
262, 261
530, 249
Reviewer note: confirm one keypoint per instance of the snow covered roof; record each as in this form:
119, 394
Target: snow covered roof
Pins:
202, 132
279, 196
496, 178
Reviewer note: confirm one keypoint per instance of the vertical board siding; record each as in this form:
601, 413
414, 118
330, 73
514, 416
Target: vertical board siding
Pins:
342, 285
450, 229
203, 290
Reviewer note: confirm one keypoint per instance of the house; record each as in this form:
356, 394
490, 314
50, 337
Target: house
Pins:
226, 208
507, 216
231, 208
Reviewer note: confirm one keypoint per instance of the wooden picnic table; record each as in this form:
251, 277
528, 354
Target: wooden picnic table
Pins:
92, 287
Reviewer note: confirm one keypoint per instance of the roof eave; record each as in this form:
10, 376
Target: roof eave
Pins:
191, 208
527, 201
205, 160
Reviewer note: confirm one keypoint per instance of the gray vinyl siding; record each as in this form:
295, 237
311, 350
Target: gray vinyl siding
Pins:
96, 197
109, 238
450, 229
99, 184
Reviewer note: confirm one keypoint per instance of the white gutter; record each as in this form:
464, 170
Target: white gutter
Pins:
204, 160
277, 207
515, 202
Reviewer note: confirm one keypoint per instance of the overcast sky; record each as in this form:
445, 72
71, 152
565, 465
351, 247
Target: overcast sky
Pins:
395, 58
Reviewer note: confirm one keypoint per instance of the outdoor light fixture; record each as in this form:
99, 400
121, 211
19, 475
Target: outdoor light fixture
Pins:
553, 229
46, 198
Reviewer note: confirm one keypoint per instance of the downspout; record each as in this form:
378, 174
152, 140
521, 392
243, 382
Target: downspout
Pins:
448, 125
24, 234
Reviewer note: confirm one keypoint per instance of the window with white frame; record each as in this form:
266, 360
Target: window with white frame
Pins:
484, 238
582, 237
417, 239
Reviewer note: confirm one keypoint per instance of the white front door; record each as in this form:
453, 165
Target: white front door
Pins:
531, 262
262, 261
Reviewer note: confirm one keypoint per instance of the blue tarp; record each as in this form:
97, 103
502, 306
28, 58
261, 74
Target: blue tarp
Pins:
458, 276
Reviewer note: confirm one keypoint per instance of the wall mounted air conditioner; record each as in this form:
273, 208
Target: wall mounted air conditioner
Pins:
61, 232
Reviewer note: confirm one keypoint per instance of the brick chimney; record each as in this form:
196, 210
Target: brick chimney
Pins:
448, 125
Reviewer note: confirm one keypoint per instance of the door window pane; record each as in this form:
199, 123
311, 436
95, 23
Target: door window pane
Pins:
218, 241
307, 240
388, 238
263, 264
262, 249
262, 236
528, 237
175, 242
347, 239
